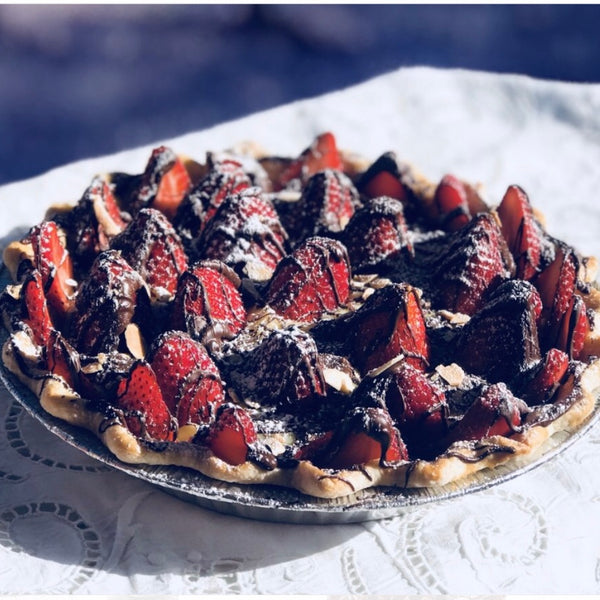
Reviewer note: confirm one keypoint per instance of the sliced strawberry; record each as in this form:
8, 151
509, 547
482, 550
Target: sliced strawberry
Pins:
326, 205
105, 304
320, 155
54, 263
384, 177
208, 304
377, 232
199, 395
153, 248
164, 183
232, 434
500, 341
246, 234
62, 359
366, 435
522, 232
93, 223
574, 328
145, 411
451, 204
314, 279
225, 178
417, 405
389, 324
173, 356
495, 412
475, 262
546, 378
35, 309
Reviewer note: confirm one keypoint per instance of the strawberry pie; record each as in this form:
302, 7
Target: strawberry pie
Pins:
320, 322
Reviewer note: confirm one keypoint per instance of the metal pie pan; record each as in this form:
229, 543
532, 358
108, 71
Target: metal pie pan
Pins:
272, 503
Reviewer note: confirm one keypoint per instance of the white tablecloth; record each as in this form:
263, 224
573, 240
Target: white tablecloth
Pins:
71, 525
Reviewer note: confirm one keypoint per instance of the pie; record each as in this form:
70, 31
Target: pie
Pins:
321, 322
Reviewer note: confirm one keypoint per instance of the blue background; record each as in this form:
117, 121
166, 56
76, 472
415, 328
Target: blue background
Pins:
79, 81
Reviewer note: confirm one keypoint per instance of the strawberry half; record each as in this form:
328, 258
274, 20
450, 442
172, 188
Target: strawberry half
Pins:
451, 204
326, 205
574, 328
62, 359
207, 302
500, 341
523, 234
164, 183
313, 280
54, 263
232, 434
200, 394
547, 377
389, 324
173, 356
476, 261
224, 179
385, 177
93, 223
246, 234
34, 309
377, 232
105, 304
320, 155
153, 248
366, 435
495, 412
145, 411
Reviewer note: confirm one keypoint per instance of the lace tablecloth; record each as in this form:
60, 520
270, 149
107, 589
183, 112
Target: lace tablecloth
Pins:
69, 524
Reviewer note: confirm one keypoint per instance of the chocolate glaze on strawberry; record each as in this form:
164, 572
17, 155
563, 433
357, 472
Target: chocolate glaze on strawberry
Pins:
152, 247
376, 233
245, 233
105, 304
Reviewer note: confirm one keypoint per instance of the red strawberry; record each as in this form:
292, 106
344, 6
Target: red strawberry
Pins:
232, 434
164, 183
495, 412
173, 356
35, 309
546, 378
314, 279
246, 234
145, 411
476, 261
151, 246
377, 232
105, 304
366, 435
320, 155
93, 223
416, 404
326, 204
522, 232
385, 177
500, 341
574, 328
199, 395
450, 204
389, 324
61, 359
225, 178
283, 369
207, 302
54, 263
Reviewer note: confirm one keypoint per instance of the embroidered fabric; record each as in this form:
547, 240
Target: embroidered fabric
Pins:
71, 525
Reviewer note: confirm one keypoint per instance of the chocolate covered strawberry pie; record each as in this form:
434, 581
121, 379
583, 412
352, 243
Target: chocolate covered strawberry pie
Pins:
317, 322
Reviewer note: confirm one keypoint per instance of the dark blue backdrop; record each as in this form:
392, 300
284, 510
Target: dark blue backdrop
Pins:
78, 80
